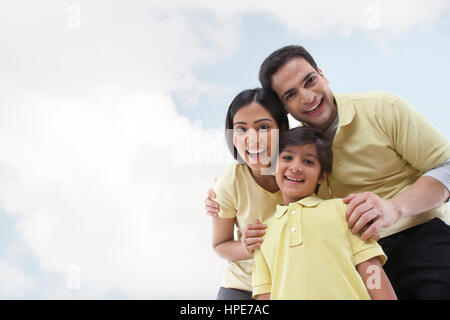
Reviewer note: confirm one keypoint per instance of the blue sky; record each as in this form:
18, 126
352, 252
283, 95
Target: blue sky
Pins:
111, 123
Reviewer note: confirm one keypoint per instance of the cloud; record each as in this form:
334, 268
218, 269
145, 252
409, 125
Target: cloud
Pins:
14, 283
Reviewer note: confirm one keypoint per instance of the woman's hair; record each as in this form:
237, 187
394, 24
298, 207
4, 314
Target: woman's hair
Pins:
267, 99
300, 136
278, 58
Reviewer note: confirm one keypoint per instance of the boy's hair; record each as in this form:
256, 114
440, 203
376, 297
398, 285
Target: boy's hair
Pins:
268, 100
278, 58
300, 136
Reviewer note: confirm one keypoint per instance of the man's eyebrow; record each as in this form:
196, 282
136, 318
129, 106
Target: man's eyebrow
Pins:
292, 89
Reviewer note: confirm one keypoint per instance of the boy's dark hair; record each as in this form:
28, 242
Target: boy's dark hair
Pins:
278, 58
301, 136
267, 99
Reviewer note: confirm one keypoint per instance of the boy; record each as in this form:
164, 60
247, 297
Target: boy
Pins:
308, 251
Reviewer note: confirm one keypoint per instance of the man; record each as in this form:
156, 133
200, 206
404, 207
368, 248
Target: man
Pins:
392, 167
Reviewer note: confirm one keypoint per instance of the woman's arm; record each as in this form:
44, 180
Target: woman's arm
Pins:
376, 281
223, 240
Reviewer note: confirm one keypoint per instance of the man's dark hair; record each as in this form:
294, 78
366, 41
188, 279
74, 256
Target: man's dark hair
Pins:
278, 58
267, 99
301, 136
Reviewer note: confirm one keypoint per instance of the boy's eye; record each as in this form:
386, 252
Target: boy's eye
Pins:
286, 158
308, 162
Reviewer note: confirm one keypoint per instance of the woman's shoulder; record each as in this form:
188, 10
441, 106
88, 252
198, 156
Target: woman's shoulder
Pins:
233, 172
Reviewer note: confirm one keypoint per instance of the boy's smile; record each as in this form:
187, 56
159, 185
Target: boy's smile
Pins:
298, 171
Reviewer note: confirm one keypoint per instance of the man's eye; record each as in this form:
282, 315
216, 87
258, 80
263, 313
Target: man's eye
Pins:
289, 95
311, 80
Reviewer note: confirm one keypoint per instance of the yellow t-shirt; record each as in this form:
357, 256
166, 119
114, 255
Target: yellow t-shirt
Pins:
309, 252
240, 197
383, 145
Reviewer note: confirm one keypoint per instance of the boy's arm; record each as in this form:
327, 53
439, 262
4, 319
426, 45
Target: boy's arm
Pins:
376, 280
265, 296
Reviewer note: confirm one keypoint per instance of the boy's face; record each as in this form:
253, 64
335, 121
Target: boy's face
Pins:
298, 171
305, 93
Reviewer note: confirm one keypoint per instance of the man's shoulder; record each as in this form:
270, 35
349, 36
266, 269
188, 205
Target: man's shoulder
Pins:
370, 97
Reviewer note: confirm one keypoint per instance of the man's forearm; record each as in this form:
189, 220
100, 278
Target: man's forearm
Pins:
427, 193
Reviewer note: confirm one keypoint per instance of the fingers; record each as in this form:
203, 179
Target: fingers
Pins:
211, 207
354, 202
210, 193
372, 231
357, 214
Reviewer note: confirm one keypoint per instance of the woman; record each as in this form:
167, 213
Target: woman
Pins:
247, 191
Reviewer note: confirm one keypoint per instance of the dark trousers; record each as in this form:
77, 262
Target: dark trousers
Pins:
233, 294
418, 264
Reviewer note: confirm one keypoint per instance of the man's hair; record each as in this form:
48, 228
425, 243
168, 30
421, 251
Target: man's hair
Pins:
301, 136
267, 99
278, 58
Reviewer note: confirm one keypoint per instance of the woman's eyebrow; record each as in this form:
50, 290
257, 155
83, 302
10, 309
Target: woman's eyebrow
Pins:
239, 122
264, 119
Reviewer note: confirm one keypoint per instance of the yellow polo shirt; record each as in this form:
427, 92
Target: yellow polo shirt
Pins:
383, 145
309, 252
240, 197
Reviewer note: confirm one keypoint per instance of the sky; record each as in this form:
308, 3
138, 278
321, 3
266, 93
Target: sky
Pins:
112, 116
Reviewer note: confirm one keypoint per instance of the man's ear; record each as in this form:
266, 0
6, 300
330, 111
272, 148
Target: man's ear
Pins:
322, 75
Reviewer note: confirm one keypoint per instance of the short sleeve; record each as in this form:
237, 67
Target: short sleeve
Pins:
225, 194
261, 278
361, 250
412, 136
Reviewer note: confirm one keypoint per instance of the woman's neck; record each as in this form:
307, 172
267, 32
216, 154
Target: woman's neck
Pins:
265, 181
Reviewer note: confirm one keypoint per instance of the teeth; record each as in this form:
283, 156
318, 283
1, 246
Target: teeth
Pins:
315, 107
294, 180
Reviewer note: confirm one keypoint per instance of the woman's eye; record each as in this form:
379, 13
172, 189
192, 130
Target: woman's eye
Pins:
264, 128
239, 130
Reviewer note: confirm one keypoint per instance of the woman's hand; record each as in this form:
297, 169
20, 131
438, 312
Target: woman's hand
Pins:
211, 207
252, 236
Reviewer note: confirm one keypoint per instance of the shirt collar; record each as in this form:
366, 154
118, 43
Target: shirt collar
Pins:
308, 202
345, 109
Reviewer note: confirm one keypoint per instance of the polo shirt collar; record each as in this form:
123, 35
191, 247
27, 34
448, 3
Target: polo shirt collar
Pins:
308, 202
345, 109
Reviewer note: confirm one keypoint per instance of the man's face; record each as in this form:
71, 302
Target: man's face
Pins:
305, 93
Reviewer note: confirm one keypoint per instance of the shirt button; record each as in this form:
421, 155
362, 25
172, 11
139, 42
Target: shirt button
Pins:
293, 212
293, 229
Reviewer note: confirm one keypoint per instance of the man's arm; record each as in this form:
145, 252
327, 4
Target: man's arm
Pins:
367, 210
265, 296
376, 281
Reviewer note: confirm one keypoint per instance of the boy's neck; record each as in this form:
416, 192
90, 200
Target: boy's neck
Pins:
287, 201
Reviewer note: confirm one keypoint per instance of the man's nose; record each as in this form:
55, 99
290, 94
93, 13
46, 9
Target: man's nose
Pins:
307, 97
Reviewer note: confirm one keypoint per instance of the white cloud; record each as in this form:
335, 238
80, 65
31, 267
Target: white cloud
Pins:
14, 283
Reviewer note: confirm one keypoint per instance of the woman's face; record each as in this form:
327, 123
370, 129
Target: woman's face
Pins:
253, 133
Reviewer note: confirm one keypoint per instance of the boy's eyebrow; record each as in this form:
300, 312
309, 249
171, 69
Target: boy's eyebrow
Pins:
306, 154
292, 89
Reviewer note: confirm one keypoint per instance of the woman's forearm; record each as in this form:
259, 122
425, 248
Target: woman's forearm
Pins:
232, 250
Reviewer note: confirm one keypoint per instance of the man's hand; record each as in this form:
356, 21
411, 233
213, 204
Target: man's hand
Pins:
211, 207
369, 213
252, 236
